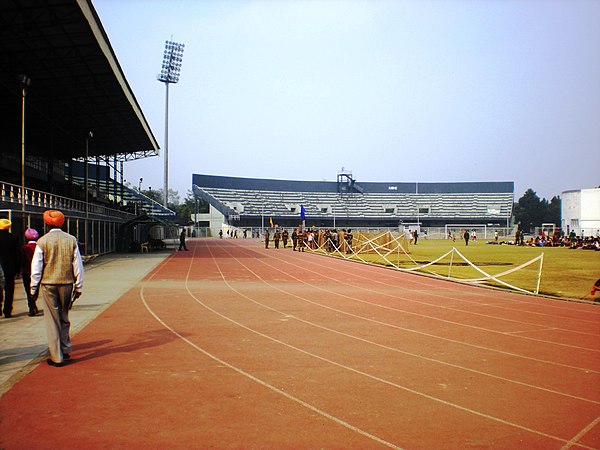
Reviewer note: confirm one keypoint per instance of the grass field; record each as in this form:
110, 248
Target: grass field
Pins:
565, 273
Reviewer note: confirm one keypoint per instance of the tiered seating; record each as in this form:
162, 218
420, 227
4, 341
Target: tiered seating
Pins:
484, 206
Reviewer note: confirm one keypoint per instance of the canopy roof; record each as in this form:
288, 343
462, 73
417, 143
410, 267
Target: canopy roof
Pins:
77, 84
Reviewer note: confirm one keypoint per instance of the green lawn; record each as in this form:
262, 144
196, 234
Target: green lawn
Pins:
565, 273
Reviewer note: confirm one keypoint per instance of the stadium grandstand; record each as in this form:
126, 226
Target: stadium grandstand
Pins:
346, 203
70, 122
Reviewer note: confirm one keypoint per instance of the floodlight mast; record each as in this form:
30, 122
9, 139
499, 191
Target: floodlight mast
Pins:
171, 68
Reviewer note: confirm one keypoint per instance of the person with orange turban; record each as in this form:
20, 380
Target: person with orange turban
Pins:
10, 259
54, 218
57, 271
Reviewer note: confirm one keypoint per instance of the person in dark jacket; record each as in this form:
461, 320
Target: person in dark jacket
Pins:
182, 240
10, 259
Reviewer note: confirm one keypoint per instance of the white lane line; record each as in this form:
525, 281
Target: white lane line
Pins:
582, 433
484, 293
252, 377
425, 316
287, 316
367, 375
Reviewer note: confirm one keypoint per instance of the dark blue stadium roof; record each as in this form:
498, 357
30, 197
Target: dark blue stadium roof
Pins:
261, 184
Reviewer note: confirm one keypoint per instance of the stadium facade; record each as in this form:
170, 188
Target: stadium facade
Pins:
346, 203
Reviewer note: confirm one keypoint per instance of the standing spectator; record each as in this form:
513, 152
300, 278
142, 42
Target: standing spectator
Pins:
294, 239
285, 235
277, 238
301, 240
596, 288
10, 259
57, 270
496, 237
466, 236
26, 256
310, 239
416, 235
349, 238
182, 240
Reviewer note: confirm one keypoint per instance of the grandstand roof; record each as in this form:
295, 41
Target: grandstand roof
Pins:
77, 84
215, 181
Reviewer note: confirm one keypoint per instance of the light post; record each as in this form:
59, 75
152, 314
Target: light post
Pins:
140, 185
25, 82
87, 179
171, 68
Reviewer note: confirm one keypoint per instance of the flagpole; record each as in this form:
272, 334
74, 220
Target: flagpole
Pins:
303, 217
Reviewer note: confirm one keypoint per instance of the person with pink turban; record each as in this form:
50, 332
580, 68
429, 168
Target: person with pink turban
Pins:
27, 250
10, 259
57, 271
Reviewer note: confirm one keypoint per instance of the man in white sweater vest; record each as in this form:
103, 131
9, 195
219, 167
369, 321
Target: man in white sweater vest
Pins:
57, 270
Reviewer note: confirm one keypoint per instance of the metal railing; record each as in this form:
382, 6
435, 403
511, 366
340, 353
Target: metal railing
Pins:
13, 194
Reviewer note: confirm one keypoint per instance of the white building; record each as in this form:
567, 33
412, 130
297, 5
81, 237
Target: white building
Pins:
580, 211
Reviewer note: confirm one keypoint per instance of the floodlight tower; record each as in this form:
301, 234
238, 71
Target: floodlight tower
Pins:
171, 68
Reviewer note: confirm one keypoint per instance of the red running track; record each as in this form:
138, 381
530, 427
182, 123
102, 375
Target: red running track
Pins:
230, 345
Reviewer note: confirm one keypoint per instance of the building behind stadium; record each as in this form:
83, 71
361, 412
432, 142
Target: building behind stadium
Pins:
580, 212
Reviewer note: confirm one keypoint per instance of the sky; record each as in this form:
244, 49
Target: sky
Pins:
391, 90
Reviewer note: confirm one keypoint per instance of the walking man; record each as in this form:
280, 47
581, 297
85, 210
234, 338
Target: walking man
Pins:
182, 240
57, 270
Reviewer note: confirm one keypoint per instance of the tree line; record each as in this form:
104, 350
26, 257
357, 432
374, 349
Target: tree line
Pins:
530, 211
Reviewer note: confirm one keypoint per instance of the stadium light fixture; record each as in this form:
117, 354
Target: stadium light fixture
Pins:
169, 74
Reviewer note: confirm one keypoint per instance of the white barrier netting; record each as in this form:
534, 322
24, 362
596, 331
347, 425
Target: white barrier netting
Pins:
386, 244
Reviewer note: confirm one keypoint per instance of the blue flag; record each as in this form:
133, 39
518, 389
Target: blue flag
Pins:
302, 212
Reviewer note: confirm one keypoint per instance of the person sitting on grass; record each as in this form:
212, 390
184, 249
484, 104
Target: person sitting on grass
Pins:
595, 288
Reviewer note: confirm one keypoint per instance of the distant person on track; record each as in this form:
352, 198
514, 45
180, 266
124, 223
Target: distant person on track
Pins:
301, 240
57, 270
285, 236
349, 238
277, 238
10, 259
294, 239
267, 236
182, 240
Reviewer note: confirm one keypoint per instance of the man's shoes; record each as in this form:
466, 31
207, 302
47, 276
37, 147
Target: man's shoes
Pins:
7, 316
53, 364
66, 356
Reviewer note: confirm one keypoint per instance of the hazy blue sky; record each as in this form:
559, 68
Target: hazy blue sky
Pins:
471, 90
